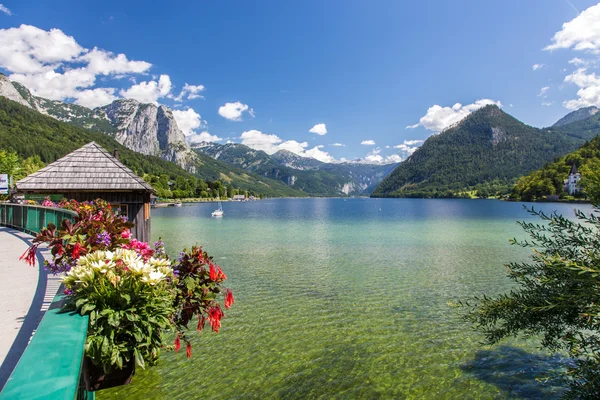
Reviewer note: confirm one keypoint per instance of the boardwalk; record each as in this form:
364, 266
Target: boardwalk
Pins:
25, 294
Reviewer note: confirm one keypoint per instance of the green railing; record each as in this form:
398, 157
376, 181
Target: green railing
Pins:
31, 219
50, 367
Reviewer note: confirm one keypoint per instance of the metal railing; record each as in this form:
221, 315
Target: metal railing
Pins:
50, 367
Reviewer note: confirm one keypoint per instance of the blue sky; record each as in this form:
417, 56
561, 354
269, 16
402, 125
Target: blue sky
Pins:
265, 72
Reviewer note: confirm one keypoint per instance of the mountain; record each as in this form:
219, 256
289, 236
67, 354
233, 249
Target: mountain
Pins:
575, 116
144, 128
487, 147
293, 160
549, 179
30, 133
311, 176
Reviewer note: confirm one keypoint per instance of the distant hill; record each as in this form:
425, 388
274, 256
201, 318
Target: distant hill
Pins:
549, 179
30, 133
575, 116
488, 147
311, 176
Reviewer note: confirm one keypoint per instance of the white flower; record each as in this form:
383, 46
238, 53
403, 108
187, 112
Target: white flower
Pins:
153, 277
159, 262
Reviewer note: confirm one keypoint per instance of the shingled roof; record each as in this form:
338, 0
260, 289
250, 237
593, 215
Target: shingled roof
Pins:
87, 168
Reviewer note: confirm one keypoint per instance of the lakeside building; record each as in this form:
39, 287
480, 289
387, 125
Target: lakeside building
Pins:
570, 184
89, 173
239, 197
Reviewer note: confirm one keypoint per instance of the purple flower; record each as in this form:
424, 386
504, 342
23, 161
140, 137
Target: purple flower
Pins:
159, 247
103, 238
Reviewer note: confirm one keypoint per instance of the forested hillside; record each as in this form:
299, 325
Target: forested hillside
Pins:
489, 148
549, 179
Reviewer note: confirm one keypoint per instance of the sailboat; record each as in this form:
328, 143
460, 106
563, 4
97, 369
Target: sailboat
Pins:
219, 211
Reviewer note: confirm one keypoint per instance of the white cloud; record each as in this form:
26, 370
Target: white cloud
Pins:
28, 49
368, 143
106, 63
581, 33
589, 89
261, 141
407, 150
234, 111
204, 137
319, 129
53, 65
338, 145
439, 118
394, 158
535, 67
148, 91
318, 154
56, 85
5, 10
93, 98
192, 92
293, 146
188, 121
543, 91
413, 142
270, 144
547, 103
374, 157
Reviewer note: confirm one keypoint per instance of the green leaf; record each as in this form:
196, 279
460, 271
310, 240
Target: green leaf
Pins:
139, 360
87, 308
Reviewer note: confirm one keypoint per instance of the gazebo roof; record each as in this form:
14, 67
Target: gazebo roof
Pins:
87, 168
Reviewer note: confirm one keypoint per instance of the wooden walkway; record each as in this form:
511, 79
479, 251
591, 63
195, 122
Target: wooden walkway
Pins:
25, 294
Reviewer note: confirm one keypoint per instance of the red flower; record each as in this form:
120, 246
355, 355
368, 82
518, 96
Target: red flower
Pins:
228, 298
59, 249
188, 350
213, 272
214, 317
29, 255
177, 343
75, 254
220, 275
201, 322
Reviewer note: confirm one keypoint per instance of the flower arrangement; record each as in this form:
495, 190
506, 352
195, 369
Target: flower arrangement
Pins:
134, 294
128, 300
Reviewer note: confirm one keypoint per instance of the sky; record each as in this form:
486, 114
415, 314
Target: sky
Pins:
335, 80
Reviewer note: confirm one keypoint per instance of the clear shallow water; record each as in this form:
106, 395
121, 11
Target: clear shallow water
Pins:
350, 299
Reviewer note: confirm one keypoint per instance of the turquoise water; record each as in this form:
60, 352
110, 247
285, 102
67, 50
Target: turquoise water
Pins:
350, 299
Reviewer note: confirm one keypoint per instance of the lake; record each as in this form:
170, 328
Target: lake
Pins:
350, 298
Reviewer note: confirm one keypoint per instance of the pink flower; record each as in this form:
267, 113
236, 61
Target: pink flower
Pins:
126, 234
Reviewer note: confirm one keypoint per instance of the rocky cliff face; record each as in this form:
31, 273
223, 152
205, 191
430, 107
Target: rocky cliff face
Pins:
144, 128
10, 92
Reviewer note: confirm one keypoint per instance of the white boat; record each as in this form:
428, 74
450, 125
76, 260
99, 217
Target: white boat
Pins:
219, 211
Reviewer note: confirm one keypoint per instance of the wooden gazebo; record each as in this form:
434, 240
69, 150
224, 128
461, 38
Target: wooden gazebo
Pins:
89, 173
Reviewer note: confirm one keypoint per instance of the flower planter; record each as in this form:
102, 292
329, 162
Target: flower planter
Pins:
95, 378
